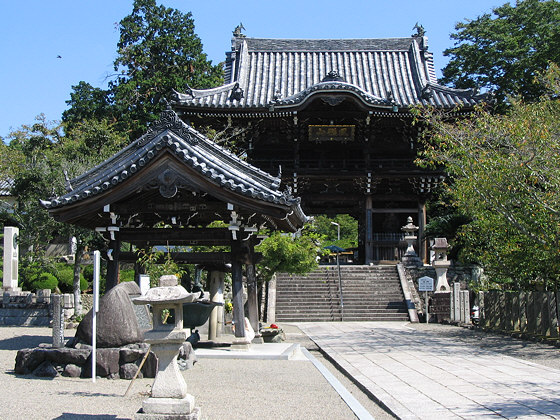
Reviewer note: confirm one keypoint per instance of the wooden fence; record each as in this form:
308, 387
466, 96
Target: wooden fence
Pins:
526, 313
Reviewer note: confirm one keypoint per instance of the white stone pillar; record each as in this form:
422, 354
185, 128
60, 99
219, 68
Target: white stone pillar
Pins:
456, 307
144, 281
216, 324
11, 253
271, 301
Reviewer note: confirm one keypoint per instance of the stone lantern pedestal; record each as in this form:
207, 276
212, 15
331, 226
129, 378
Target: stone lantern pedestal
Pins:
410, 258
169, 398
441, 264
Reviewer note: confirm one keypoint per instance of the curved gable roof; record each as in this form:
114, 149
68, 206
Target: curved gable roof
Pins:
230, 177
262, 72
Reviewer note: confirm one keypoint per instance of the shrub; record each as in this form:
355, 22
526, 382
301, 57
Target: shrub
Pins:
126, 275
65, 275
87, 271
44, 281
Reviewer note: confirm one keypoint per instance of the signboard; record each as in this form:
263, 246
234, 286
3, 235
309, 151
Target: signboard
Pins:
341, 133
425, 284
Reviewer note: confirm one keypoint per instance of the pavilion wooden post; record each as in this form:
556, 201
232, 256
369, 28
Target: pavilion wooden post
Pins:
237, 288
252, 305
113, 263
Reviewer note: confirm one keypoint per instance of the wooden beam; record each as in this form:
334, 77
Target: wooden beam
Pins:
186, 236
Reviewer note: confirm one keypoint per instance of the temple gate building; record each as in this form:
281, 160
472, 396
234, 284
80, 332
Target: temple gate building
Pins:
333, 118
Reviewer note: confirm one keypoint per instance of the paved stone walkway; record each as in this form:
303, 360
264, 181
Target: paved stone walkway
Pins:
420, 376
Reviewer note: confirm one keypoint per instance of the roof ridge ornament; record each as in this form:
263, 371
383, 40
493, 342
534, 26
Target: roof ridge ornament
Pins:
237, 31
236, 93
333, 76
168, 119
420, 31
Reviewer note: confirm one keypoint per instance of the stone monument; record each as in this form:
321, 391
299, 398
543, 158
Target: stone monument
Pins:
10, 279
168, 398
441, 264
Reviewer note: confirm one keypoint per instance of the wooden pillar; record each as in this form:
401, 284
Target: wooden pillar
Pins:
368, 243
237, 289
112, 278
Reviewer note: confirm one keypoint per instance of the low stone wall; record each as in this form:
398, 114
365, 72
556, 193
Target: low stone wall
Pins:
111, 363
456, 273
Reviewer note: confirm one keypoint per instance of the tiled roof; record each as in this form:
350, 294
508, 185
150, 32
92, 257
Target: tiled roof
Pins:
6, 186
279, 73
196, 151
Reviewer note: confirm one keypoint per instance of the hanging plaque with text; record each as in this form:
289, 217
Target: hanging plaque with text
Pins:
339, 133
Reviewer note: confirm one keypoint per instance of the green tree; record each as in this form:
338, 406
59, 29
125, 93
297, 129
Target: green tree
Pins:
88, 103
326, 227
505, 173
503, 51
158, 52
287, 253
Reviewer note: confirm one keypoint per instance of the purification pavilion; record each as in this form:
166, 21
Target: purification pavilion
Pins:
165, 189
332, 117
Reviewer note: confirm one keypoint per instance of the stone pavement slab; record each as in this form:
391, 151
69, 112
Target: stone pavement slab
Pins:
417, 375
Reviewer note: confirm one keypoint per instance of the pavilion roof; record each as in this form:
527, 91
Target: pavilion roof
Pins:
275, 74
188, 159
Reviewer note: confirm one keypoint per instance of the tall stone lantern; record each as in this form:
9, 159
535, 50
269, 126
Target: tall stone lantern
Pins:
441, 264
410, 258
169, 398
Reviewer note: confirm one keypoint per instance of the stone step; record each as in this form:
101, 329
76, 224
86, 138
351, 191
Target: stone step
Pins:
369, 293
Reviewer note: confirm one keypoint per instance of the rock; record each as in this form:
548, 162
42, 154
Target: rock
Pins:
73, 371
45, 370
67, 355
186, 358
27, 360
128, 370
117, 324
149, 369
129, 355
106, 363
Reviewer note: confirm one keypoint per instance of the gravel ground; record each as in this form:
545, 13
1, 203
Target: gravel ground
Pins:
236, 389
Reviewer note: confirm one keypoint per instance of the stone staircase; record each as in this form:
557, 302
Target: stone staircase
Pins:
370, 293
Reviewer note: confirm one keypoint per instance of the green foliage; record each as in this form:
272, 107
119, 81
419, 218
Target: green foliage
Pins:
31, 266
44, 281
65, 275
158, 52
505, 50
323, 226
506, 178
88, 103
288, 254
126, 275
157, 264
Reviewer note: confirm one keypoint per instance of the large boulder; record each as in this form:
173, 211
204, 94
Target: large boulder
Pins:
117, 324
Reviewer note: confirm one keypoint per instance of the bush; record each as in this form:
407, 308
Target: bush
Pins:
126, 275
87, 272
65, 275
44, 281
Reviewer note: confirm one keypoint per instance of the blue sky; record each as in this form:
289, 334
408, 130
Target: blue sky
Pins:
84, 33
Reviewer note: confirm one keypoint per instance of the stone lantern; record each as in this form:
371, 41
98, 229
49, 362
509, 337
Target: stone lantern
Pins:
441, 264
169, 398
410, 258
